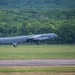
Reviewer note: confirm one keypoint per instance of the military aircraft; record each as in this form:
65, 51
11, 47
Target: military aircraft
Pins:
21, 39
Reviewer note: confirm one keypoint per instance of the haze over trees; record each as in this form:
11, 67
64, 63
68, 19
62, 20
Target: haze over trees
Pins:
24, 17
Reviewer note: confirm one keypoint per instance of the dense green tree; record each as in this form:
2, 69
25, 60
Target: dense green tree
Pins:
67, 32
59, 21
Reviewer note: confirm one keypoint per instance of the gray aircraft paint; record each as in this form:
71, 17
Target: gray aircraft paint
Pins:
21, 39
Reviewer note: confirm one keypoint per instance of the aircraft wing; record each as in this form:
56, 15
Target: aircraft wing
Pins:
34, 37
37, 38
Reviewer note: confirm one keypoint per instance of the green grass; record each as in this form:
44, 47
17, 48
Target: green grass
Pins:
36, 52
47, 69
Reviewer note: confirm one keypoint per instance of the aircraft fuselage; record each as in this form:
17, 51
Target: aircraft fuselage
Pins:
21, 39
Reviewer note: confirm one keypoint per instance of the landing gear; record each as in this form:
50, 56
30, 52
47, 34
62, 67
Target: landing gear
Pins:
14, 44
38, 42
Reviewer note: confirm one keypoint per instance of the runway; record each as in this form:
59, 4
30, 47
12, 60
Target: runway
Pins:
37, 62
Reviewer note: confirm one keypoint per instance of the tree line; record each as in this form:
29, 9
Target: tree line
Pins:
27, 22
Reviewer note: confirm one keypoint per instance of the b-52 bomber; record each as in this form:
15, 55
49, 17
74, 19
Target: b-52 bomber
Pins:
21, 39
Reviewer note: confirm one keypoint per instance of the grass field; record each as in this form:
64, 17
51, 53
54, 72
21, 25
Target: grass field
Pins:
38, 71
36, 52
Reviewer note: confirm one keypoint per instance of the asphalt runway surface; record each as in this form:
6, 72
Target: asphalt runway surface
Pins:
37, 62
